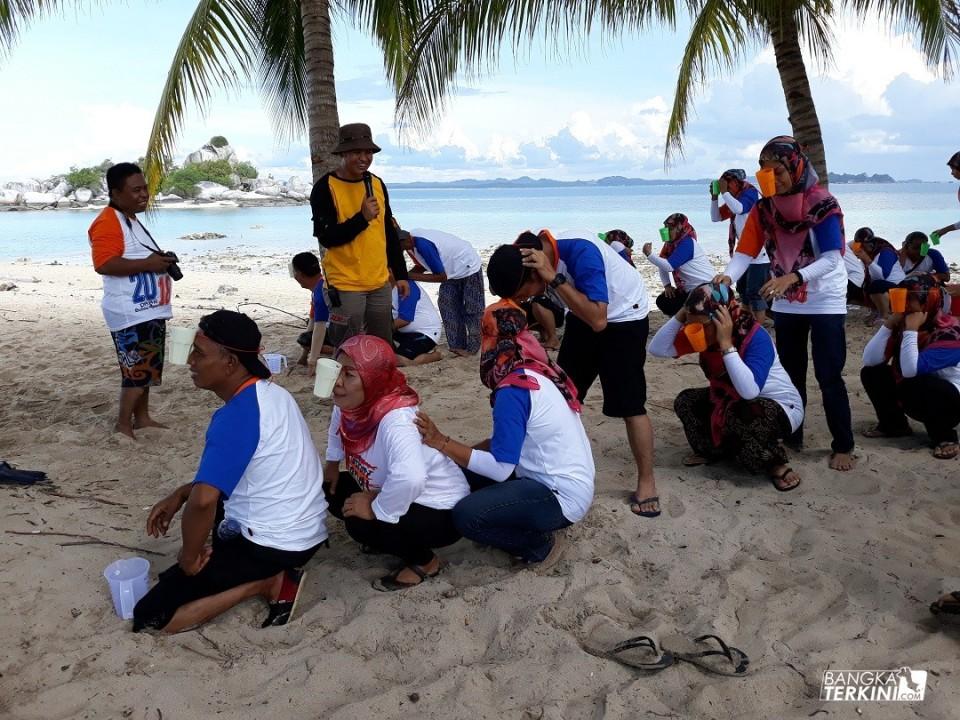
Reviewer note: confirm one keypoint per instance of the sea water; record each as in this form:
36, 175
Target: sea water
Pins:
486, 217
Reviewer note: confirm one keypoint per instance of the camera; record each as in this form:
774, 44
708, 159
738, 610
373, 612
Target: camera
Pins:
173, 270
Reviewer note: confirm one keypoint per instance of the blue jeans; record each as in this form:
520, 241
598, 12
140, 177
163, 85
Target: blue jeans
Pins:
828, 338
748, 286
518, 516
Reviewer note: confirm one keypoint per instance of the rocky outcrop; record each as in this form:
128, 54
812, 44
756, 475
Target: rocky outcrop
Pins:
209, 152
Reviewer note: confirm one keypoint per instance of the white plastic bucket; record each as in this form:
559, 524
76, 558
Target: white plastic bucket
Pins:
128, 583
327, 373
275, 362
179, 342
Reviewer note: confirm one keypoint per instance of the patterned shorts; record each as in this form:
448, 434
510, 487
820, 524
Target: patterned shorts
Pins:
140, 353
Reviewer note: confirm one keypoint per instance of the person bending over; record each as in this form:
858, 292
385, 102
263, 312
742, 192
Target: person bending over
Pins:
258, 489
911, 368
621, 243
396, 495
535, 474
306, 271
751, 404
683, 259
416, 327
883, 267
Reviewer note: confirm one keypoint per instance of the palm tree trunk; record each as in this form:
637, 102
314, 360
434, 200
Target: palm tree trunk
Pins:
322, 117
796, 89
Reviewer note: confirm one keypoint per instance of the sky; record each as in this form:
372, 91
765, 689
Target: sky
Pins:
83, 87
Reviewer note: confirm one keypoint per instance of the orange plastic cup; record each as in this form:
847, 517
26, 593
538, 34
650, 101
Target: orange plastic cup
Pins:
857, 247
768, 185
898, 299
696, 336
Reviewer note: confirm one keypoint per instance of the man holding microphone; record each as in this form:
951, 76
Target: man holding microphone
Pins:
352, 219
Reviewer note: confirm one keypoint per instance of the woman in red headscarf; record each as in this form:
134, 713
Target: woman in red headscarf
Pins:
681, 260
911, 368
395, 495
534, 475
801, 227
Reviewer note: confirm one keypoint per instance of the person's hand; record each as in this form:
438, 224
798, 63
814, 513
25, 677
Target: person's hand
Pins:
331, 476
360, 505
723, 186
913, 321
647, 249
157, 263
158, 521
712, 196
893, 321
723, 321
192, 566
537, 260
670, 291
403, 289
944, 230
681, 316
777, 287
429, 433
370, 208
725, 279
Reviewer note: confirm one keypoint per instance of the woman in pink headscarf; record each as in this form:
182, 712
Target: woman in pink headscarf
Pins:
801, 228
395, 495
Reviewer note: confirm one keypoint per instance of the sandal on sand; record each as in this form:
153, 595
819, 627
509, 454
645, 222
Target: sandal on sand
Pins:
694, 460
946, 451
389, 583
949, 604
634, 500
728, 660
282, 610
777, 480
658, 662
879, 432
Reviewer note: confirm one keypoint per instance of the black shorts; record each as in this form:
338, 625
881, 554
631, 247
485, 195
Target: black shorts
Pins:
878, 287
305, 339
234, 562
140, 353
413, 344
544, 301
617, 355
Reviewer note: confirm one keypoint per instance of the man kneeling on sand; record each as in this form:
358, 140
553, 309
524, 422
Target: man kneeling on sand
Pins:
258, 488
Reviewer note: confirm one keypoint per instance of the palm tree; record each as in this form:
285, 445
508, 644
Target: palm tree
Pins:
285, 46
467, 35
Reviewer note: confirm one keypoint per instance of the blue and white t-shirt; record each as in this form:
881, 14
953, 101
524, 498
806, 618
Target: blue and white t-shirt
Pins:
442, 252
689, 264
597, 271
400, 468
418, 310
932, 263
260, 456
538, 432
886, 266
319, 312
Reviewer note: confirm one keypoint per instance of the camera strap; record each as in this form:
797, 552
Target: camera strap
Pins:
155, 248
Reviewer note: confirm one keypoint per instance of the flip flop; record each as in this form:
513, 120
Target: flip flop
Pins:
878, 432
738, 661
689, 461
938, 451
10, 475
660, 661
948, 605
389, 583
777, 478
640, 503
282, 611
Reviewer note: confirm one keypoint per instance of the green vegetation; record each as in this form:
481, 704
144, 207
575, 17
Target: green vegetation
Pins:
88, 177
182, 181
218, 141
245, 171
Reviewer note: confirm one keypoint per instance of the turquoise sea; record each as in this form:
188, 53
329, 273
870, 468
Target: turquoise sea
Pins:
486, 217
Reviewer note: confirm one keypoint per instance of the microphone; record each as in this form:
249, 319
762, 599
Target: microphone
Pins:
368, 183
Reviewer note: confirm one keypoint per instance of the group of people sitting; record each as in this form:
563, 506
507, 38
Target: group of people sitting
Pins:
405, 488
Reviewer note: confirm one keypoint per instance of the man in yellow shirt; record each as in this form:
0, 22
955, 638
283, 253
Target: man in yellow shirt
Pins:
353, 221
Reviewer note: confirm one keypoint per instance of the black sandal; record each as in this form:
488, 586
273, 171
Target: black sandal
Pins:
778, 478
737, 658
949, 604
663, 660
389, 583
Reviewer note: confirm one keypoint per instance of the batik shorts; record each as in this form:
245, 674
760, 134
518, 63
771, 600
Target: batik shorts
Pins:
140, 353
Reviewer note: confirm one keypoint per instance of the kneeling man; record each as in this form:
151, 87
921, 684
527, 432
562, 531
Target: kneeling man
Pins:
258, 489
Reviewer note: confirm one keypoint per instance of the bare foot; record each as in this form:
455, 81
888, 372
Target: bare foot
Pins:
842, 461
149, 423
125, 430
550, 343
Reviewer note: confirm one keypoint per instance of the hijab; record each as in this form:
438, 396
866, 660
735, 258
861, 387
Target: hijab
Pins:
786, 219
677, 220
736, 185
507, 346
384, 389
939, 330
706, 299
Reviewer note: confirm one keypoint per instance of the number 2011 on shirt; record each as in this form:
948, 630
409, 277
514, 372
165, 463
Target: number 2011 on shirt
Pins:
145, 288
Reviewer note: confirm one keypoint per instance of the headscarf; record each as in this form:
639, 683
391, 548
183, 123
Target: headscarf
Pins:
508, 346
786, 219
617, 236
874, 245
939, 330
677, 220
384, 389
736, 185
705, 300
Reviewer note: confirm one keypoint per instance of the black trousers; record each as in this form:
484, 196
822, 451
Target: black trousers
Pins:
927, 398
412, 539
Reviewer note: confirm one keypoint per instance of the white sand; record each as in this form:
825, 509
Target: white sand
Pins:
836, 575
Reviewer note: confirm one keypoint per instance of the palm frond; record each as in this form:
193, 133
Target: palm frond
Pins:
17, 15
721, 35
282, 65
464, 38
215, 52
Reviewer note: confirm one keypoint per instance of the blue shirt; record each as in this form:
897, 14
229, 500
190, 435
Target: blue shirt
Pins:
232, 438
319, 312
511, 411
428, 251
586, 268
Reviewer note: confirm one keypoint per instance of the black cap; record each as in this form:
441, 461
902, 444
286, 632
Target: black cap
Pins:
239, 334
506, 272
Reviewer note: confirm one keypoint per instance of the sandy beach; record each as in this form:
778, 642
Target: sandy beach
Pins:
837, 575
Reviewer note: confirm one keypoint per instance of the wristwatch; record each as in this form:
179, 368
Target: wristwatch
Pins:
558, 280
729, 350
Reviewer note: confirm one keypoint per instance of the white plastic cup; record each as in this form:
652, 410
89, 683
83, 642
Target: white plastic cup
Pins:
128, 583
275, 362
328, 371
179, 342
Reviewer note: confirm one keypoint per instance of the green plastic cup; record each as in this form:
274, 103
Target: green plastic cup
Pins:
665, 234
924, 249
935, 238
715, 187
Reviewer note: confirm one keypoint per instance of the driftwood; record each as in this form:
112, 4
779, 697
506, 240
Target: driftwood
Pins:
84, 540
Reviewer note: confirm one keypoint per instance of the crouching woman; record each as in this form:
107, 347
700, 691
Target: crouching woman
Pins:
750, 404
534, 475
396, 495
